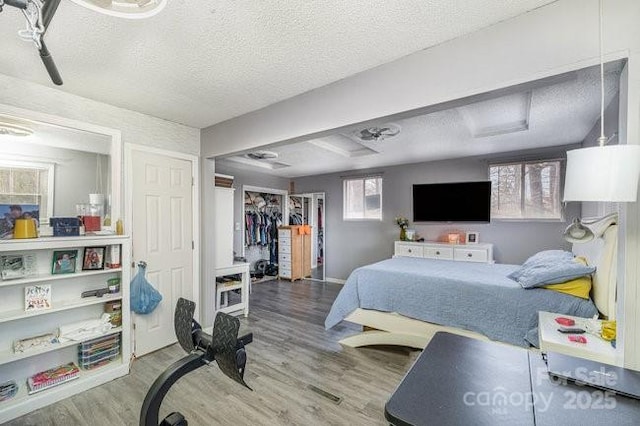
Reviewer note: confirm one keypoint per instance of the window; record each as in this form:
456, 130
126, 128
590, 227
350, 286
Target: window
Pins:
27, 183
363, 198
529, 190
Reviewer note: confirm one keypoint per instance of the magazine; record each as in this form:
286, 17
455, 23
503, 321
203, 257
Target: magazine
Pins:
52, 377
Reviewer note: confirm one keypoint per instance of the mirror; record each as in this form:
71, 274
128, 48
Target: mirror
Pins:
55, 167
309, 209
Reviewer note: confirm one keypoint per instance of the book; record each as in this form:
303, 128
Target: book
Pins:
37, 297
52, 377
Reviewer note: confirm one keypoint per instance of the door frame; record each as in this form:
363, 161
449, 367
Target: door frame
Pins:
195, 199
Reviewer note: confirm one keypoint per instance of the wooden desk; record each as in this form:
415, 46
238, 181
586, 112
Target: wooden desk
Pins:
459, 381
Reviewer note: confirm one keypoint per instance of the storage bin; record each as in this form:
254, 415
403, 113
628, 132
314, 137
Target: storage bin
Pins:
65, 226
98, 352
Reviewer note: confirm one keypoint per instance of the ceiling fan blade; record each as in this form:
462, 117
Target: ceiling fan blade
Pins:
48, 10
47, 60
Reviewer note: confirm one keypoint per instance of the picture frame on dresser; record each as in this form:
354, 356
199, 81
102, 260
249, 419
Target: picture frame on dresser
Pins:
472, 237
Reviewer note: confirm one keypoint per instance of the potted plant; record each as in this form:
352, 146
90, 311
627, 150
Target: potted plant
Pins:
403, 223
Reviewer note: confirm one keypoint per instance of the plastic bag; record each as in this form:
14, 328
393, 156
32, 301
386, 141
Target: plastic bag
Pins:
144, 298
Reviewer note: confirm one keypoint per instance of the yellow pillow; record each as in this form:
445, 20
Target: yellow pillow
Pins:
579, 287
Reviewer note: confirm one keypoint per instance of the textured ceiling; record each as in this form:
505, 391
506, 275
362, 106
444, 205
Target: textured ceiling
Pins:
545, 116
202, 62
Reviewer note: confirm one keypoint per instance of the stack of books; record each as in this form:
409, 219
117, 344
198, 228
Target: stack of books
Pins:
52, 377
223, 181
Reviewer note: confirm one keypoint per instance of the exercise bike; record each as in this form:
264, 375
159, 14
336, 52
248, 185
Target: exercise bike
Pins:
223, 346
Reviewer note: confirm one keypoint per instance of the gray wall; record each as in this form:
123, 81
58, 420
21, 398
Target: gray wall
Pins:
252, 178
353, 244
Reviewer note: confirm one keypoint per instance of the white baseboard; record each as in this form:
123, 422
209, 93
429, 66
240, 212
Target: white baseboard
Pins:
335, 280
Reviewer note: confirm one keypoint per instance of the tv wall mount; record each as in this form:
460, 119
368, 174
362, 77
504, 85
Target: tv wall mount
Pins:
38, 15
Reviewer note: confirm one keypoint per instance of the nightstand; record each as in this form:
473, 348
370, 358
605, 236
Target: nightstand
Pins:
551, 340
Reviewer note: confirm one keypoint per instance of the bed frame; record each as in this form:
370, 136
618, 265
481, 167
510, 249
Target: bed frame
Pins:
390, 328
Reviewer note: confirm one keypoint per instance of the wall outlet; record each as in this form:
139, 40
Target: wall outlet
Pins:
237, 226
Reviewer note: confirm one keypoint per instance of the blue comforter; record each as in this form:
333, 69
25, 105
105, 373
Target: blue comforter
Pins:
474, 296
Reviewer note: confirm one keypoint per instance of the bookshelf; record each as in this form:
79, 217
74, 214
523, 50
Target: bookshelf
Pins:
67, 307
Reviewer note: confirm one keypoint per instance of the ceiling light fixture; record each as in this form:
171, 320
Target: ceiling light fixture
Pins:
14, 130
129, 9
605, 173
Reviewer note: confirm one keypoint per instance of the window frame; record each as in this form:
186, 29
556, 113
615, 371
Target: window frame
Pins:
522, 164
345, 198
50, 168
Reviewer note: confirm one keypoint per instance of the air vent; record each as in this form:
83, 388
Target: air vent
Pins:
262, 155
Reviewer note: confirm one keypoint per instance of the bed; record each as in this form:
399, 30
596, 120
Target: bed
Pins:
404, 301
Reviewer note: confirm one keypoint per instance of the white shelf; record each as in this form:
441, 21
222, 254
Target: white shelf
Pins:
60, 306
10, 356
23, 403
67, 308
51, 277
60, 242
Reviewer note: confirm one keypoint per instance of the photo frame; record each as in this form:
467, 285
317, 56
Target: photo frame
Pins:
64, 262
93, 258
472, 237
10, 212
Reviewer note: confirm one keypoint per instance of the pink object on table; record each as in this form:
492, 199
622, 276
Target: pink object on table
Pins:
565, 321
577, 339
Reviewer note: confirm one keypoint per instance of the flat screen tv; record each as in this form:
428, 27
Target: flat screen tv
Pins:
452, 202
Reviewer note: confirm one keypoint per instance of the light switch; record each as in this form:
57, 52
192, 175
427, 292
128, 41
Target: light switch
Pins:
237, 226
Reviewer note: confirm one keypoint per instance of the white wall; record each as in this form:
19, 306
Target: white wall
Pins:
136, 127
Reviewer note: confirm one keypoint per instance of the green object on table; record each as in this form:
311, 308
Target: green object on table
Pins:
403, 234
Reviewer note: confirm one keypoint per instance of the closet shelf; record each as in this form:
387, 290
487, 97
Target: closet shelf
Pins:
10, 356
59, 307
50, 277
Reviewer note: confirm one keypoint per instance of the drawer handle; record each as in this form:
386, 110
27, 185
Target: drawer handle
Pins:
469, 255
409, 250
438, 253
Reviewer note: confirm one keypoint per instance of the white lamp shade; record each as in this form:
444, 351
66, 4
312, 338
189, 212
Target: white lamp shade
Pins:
603, 173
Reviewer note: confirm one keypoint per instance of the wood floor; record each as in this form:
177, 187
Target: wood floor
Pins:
291, 355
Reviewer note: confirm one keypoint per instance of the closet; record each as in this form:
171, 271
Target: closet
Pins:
264, 212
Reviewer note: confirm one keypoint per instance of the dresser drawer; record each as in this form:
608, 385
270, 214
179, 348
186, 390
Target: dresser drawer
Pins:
470, 255
284, 265
284, 257
284, 248
438, 253
408, 250
284, 233
284, 273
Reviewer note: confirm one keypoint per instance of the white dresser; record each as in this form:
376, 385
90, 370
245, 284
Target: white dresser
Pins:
481, 252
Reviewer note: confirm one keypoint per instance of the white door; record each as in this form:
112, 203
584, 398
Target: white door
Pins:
162, 232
